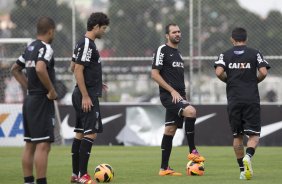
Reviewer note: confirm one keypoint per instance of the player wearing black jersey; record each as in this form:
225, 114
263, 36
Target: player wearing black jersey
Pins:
38, 106
86, 65
168, 72
242, 68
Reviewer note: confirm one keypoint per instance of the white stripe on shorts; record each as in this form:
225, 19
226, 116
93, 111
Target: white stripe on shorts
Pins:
169, 122
251, 131
40, 138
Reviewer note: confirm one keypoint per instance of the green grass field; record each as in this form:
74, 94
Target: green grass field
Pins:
140, 165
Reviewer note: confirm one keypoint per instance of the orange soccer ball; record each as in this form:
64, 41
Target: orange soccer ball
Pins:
195, 168
104, 173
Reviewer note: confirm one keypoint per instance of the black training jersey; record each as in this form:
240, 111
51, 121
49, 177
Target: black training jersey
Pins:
86, 54
37, 51
169, 62
241, 64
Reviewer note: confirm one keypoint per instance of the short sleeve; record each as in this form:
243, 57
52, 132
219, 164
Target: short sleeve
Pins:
261, 62
220, 61
73, 57
83, 52
45, 53
21, 61
158, 58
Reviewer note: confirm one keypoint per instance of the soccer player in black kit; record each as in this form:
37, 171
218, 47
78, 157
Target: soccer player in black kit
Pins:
38, 106
86, 65
242, 68
168, 72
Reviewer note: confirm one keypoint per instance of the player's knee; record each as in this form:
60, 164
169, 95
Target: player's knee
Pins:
43, 147
253, 141
189, 111
170, 130
78, 135
91, 136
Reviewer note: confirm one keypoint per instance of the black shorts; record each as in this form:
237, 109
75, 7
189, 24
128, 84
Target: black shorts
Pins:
38, 119
173, 110
244, 118
87, 122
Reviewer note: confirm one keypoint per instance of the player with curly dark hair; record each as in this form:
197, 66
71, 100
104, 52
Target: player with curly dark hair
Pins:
87, 69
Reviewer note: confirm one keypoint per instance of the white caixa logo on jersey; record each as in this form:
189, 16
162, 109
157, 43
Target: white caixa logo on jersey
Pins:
29, 64
88, 55
177, 64
239, 65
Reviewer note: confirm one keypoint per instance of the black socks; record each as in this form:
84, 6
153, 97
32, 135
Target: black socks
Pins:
84, 154
75, 155
250, 151
190, 132
166, 147
240, 163
29, 180
41, 181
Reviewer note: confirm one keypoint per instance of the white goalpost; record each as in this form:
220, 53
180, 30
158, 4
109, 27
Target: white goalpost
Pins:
15, 40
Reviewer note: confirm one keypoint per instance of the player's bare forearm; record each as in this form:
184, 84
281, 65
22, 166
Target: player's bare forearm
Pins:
219, 71
105, 87
16, 71
21, 78
223, 77
72, 66
262, 73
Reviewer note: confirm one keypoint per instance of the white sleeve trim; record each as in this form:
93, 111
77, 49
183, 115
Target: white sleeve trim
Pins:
86, 46
21, 59
159, 56
48, 53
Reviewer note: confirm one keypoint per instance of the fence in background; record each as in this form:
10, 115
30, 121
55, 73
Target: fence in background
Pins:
136, 30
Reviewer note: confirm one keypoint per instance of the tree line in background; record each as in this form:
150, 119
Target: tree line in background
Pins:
137, 26
134, 31
26, 12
